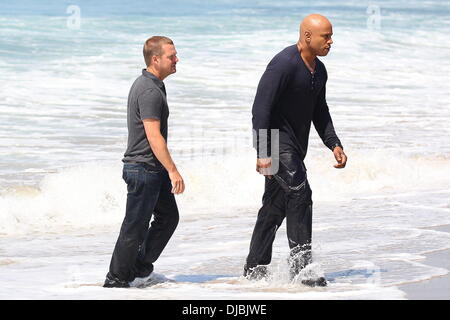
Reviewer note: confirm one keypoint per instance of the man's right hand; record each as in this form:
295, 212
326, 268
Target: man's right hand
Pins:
177, 182
263, 166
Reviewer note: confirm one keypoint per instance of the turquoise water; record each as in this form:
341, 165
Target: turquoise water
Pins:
64, 88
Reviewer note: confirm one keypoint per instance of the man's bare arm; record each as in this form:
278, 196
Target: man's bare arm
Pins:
159, 147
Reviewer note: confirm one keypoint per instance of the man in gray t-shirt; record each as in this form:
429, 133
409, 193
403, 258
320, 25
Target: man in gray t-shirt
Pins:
150, 174
146, 100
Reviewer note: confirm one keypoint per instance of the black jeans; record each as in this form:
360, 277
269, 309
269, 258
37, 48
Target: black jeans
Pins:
138, 246
286, 195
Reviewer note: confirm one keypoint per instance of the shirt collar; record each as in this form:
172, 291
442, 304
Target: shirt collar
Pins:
155, 79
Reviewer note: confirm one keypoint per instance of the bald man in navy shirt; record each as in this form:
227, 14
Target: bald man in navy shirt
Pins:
291, 96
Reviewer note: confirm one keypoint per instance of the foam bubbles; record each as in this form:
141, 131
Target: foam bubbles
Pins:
94, 194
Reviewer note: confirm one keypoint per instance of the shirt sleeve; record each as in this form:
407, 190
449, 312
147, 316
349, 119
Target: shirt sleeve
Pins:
323, 123
271, 86
150, 104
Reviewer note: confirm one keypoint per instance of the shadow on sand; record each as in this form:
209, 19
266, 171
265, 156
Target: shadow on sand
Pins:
365, 273
331, 277
200, 278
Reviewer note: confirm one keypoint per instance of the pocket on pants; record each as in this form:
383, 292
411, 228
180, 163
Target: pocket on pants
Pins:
152, 170
291, 174
131, 178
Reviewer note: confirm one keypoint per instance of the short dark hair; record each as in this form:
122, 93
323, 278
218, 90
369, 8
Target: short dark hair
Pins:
153, 47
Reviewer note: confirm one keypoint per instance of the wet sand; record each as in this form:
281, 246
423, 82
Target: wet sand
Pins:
437, 288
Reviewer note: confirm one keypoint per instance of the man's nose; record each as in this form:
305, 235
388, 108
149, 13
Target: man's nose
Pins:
330, 41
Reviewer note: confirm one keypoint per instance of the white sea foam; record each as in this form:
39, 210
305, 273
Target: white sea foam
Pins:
93, 194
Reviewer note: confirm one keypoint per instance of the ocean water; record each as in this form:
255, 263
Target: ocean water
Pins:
65, 71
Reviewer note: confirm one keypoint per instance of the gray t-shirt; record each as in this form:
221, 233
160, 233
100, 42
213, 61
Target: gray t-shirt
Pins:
147, 99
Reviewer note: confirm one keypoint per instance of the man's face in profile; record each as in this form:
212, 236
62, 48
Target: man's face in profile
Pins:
321, 40
168, 60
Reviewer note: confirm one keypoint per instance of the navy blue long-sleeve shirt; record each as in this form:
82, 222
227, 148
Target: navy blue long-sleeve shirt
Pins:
289, 98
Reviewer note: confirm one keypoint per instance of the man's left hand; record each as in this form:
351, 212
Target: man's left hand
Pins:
341, 158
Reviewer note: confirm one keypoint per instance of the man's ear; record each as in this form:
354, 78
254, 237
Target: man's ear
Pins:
307, 36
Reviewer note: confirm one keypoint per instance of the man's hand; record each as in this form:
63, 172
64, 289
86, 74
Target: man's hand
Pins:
177, 182
263, 166
341, 158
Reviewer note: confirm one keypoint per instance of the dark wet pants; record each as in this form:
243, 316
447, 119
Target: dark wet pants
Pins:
138, 246
287, 195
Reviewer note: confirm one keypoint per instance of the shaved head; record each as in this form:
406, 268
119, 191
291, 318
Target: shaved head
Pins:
315, 34
314, 23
